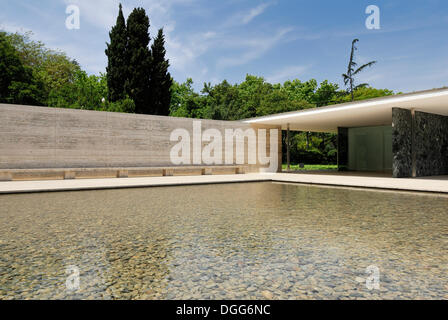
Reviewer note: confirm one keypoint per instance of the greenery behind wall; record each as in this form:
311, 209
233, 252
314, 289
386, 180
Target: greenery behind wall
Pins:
137, 81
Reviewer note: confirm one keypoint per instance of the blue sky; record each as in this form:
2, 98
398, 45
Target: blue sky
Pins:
213, 40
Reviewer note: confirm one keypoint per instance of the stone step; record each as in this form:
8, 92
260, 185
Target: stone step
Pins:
125, 172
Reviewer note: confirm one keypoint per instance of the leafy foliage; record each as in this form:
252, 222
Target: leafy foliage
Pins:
17, 82
125, 105
364, 93
86, 92
53, 68
47, 77
181, 93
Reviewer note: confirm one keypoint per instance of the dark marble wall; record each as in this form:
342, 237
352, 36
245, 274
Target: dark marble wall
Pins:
431, 144
419, 141
342, 149
401, 143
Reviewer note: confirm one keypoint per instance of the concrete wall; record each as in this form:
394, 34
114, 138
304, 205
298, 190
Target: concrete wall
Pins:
40, 137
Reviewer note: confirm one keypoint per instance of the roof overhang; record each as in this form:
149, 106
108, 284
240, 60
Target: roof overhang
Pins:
373, 112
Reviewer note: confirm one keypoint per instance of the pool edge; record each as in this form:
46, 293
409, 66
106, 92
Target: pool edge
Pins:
433, 186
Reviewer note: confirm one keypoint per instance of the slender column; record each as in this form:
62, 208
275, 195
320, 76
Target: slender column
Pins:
288, 156
413, 154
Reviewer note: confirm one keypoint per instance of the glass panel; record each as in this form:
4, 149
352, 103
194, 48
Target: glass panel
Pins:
370, 148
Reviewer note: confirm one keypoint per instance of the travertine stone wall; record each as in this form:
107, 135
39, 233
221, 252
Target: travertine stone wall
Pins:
431, 144
401, 143
40, 137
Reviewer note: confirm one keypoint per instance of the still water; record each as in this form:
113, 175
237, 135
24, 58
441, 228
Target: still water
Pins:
230, 241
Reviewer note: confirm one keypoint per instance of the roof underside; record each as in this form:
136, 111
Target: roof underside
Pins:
374, 112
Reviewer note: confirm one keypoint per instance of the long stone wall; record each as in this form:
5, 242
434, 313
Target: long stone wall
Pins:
40, 137
431, 144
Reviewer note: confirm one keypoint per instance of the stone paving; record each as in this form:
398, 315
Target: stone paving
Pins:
229, 241
437, 184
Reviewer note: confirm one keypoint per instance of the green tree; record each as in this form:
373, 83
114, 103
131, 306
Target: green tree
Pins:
222, 101
125, 105
179, 91
185, 102
364, 93
160, 82
17, 83
86, 92
352, 71
50, 69
139, 68
277, 101
298, 90
326, 94
56, 70
32, 53
252, 91
117, 63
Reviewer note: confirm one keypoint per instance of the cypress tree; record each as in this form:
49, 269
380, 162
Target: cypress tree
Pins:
161, 81
137, 84
117, 59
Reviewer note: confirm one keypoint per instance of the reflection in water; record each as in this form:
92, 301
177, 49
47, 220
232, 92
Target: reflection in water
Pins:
234, 241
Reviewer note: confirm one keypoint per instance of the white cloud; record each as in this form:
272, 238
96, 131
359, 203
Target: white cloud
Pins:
103, 13
244, 17
185, 50
99, 13
256, 48
288, 73
13, 28
209, 35
254, 13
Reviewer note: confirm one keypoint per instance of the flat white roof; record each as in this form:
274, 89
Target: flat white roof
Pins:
372, 112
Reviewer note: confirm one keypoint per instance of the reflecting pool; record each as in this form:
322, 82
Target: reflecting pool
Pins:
228, 241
